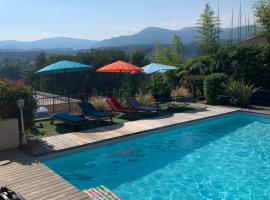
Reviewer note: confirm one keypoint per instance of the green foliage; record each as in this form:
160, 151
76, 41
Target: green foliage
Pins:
201, 65
238, 92
170, 56
262, 11
132, 83
138, 59
9, 94
100, 103
208, 31
250, 63
195, 84
31, 78
146, 99
213, 88
173, 56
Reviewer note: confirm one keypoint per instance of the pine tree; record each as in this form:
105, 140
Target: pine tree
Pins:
208, 31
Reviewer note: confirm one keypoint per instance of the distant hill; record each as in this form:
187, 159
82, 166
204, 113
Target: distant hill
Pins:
147, 36
153, 35
48, 43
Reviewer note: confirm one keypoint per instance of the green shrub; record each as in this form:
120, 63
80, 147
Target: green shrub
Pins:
9, 94
213, 88
146, 99
238, 92
195, 84
100, 103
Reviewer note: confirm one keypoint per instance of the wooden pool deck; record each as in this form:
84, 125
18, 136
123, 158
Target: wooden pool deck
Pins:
76, 139
33, 180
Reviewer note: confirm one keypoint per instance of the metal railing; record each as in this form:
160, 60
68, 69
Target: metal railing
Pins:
57, 103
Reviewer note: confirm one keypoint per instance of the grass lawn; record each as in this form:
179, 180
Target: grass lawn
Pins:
45, 129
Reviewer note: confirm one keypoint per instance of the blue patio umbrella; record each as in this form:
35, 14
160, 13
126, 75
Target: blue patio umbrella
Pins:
157, 68
64, 66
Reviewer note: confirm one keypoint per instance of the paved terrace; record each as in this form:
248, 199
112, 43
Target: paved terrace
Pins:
75, 139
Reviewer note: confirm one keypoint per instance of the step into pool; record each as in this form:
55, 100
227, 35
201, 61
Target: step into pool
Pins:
226, 157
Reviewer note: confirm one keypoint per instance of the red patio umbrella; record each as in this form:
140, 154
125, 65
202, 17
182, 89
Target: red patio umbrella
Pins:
120, 67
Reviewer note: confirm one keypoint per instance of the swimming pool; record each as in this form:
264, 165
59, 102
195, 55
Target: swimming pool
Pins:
220, 158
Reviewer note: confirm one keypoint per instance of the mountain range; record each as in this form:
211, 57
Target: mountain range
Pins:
147, 36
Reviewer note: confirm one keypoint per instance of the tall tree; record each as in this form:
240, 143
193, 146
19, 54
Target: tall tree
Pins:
170, 56
208, 30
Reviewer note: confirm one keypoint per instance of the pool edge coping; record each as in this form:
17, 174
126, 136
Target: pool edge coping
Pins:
50, 155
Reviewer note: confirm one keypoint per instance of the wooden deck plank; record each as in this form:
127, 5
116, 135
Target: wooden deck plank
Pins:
34, 181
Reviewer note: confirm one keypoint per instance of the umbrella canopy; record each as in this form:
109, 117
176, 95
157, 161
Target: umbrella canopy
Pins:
120, 67
63, 67
157, 68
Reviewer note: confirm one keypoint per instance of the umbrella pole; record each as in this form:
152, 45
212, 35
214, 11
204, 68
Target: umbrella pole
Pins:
154, 79
114, 93
69, 104
69, 108
154, 88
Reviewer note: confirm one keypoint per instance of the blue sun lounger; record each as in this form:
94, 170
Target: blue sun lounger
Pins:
90, 111
70, 119
138, 106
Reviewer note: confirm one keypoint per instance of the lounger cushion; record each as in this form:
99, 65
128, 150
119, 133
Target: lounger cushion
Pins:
116, 106
89, 109
68, 117
146, 108
137, 105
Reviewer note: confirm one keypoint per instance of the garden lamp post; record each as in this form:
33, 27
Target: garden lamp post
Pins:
20, 104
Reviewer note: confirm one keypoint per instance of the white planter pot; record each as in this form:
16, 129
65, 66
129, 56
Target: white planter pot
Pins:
9, 134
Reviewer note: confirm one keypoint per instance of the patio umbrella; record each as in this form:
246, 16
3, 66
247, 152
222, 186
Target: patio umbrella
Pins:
120, 67
64, 66
157, 68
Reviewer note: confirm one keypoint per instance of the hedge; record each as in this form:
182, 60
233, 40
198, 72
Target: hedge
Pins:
213, 88
9, 94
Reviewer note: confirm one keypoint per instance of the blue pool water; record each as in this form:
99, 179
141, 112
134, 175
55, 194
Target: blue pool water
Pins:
220, 158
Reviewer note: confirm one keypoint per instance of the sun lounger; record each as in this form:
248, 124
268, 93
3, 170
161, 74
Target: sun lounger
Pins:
117, 107
68, 118
89, 110
184, 100
167, 98
164, 98
134, 103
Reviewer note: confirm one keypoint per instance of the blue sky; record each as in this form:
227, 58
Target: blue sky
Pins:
101, 19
